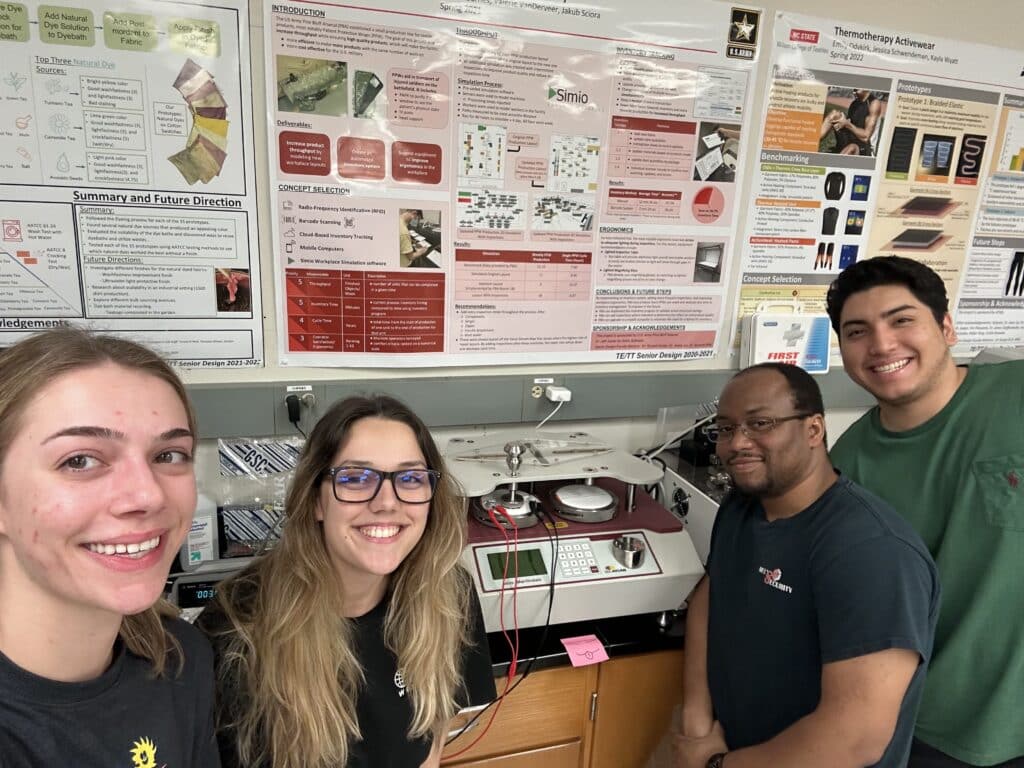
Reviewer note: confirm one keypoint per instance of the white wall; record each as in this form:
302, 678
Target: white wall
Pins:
994, 22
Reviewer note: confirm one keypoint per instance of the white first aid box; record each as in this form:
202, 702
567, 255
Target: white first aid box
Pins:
803, 340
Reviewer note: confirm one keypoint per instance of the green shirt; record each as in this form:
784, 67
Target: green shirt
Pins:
959, 479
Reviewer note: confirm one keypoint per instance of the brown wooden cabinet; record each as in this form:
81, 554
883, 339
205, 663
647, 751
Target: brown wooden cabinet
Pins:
636, 696
609, 715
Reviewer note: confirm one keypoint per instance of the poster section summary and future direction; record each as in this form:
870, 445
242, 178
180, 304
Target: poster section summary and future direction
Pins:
877, 143
484, 182
127, 176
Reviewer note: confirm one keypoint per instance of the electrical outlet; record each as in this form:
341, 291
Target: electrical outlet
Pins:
304, 392
557, 394
537, 392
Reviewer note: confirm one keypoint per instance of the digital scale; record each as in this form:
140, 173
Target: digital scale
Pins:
618, 552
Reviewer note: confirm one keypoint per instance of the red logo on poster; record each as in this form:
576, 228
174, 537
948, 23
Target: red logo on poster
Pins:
803, 36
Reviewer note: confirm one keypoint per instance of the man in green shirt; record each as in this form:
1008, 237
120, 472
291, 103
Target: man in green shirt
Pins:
945, 447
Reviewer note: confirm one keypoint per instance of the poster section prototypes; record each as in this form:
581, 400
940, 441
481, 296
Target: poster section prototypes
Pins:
472, 186
872, 146
127, 177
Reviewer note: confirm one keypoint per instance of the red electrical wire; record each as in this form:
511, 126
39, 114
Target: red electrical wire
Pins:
514, 647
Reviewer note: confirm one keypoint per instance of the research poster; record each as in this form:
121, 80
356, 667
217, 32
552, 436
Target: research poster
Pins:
505, 181
882, 142
127, 176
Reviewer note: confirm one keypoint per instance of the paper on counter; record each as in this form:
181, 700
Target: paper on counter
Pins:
584, 650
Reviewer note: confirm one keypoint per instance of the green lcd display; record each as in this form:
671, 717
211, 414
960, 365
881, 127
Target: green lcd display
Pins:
529, 560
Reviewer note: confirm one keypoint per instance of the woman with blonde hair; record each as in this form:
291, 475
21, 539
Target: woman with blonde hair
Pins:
357, 638
97, 493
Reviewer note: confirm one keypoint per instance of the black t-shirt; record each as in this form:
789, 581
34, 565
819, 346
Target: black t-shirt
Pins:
384, 717
383, 707
125, 717
844, 578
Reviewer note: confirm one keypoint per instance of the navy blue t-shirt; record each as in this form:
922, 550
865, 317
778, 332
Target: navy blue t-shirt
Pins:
843, 578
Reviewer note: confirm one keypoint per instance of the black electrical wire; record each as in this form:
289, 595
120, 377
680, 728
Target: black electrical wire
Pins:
653, 489
294, 407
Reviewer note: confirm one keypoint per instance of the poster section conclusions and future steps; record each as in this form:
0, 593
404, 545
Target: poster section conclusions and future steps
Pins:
504, 181
127, 177
880, 142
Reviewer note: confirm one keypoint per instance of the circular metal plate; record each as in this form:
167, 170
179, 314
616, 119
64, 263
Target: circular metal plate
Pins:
585, 503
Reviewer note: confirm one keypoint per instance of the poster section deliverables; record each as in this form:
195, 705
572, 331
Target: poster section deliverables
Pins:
128, 178
484, 189
872, 145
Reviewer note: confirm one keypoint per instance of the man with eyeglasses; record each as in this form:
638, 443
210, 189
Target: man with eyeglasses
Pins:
808, 639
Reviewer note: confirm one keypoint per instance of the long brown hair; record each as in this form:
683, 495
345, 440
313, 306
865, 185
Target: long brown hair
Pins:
25, 369
289, 649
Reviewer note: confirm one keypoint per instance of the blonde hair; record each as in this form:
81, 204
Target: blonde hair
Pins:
25, 369
289, 650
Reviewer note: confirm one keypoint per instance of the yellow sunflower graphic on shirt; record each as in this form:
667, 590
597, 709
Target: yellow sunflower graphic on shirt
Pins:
144, 754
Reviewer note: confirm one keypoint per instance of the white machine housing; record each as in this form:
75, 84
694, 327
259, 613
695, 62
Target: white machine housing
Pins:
589, 582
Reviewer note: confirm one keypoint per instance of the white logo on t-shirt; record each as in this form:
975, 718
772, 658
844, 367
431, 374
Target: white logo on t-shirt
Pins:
400, 683
773, 578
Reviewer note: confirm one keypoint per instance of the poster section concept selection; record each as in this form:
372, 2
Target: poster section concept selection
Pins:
127, 176
463, 183
888, 143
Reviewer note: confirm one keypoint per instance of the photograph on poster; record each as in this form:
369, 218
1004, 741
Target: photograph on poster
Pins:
707, 267
419, 238
366, 88
312, 85
234, 290
852, 121
718, 149
935, 155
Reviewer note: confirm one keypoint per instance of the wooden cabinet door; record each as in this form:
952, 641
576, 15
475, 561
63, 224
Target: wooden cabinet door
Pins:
559, 756
550, 708
635, 699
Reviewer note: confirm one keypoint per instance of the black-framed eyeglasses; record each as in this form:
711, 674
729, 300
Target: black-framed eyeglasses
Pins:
360, 484
723, 432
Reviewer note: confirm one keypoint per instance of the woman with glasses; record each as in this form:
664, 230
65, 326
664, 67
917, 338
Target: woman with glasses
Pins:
97, 493
359, 636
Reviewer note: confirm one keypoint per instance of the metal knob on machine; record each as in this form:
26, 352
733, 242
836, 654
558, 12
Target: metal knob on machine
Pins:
629, 550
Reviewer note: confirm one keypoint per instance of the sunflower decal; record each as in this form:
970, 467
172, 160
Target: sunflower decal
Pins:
144, 754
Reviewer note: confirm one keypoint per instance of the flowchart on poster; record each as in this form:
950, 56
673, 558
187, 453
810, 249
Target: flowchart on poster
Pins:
877, 143
473, 182
127, 176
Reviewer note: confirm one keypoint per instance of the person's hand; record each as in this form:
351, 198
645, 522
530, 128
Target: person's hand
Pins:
694, 752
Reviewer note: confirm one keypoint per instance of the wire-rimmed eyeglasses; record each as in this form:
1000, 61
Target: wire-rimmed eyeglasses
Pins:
360, 484
723, 432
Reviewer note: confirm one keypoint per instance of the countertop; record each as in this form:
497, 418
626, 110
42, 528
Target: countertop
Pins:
620, 636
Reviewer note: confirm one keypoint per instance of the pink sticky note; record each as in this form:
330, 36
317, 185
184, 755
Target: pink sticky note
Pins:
585, 649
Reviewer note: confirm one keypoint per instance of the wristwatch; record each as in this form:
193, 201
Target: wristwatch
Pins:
716, 761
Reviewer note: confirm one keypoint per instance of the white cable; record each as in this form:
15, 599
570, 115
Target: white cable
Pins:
676, 436
560, 404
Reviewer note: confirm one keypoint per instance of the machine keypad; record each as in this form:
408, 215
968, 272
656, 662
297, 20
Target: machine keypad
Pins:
576, 559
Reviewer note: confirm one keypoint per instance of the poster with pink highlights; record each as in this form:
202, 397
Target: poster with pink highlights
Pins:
485, 183
128, 177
